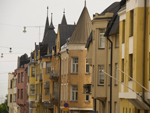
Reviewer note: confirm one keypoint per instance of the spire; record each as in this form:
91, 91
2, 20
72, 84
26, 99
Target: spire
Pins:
64, 22
51, 25
47, 11
85, 3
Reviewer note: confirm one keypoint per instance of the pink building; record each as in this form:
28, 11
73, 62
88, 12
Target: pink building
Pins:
22, 79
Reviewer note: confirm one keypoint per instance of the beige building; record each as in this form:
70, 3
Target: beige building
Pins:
75, 71
12, 90
105, 31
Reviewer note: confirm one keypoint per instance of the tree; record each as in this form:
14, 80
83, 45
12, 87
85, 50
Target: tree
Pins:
3, 107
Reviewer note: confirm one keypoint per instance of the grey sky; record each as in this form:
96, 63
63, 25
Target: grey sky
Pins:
14, 14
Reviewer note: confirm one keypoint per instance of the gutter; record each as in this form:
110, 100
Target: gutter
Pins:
144, 32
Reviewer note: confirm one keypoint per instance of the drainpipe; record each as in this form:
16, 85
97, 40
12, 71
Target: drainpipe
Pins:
110, 73
58, 55
144, 36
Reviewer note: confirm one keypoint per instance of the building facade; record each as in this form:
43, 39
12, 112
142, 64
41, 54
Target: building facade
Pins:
134, 56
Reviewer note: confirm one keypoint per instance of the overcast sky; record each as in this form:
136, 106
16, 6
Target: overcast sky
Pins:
14, 14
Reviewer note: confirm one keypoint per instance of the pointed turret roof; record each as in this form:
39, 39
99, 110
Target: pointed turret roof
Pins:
82, 29
51, 25
64, 21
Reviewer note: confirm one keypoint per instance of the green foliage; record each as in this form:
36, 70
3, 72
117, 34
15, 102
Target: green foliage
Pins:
3, 107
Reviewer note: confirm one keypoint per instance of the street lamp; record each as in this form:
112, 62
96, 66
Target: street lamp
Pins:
10, 50
24, 29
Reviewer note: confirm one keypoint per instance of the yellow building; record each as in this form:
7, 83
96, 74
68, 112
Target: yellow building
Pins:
75, 71
134, 48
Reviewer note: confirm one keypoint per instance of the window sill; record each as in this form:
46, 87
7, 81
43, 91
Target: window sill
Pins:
73, 101
87, 101
87, 73
117, 47
74, 73
130, 80
101, 48
100, 85
115, 84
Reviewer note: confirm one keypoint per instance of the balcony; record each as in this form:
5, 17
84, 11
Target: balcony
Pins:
40, 97
53, 98
32, 87
33, 104
54, 74
46, 84
41, 77
134, 97
87, 89
48, 105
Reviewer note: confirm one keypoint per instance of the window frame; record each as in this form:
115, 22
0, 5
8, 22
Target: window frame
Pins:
101, 38
21, 93
87, 64
74, 63
18, 77
33, 71
99, 72
48, 68
22, 77
75, 92
88, 99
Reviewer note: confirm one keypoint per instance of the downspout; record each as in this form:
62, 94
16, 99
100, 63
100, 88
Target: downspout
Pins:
144, 36
110, 72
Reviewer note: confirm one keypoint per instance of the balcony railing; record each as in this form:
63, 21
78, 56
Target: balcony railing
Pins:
53, 98
33, 104
87, 89
40, 97
32, 87
54, 74
41, 77
48, 105
46, 84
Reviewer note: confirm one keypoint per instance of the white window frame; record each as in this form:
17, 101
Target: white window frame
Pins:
87, 100
102, 38
117, 40
48, 67
62, 67
76, 65
116, 73
74, 99
100, 74
64, 92
61, 92
87, 64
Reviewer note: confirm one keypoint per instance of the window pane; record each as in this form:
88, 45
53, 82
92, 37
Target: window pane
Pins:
76, 68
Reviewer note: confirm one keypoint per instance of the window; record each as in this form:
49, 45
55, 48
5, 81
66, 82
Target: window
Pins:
11, 84
122, 77
87, 67
22, 77
18, 77
131, 65
116, 73
61, 91
18, 93
132, 22
10, 98
102, 39
33, 72
101, 75
74, 93
123, 37
64, 92
75, 65
115, 109
55, 89
14, 97
65, 67
21, 93
32, 92
61, 67
87, 98
47, 91
48, 67
117, 40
